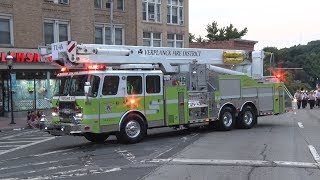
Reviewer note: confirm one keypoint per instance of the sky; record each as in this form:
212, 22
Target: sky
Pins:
273, 23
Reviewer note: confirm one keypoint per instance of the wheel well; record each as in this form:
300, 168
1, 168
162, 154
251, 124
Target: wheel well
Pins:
250, 104
135, 112
227, 105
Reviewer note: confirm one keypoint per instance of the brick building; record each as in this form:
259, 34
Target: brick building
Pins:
237, 44
24, 25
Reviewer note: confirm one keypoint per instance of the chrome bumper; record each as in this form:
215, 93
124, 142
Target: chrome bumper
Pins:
67, 129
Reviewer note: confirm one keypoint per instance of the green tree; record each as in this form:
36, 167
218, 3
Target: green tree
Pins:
224, 33
192, 37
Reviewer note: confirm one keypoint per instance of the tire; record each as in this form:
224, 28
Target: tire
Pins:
132, 129
226, 119
96, 138
246, 118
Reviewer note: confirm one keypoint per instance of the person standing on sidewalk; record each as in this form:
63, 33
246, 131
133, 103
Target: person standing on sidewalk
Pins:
318, 97
297, 96
312, 99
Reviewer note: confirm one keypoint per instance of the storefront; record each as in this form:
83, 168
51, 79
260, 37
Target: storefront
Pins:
33, 81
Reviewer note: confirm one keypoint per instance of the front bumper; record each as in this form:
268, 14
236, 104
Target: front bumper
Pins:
64, 129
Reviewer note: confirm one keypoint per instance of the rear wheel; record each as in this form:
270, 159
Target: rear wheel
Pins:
246, 118
132, 129
97, 138
226, 119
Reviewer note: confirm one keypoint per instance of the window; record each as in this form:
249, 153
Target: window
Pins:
120, 4
108, 5
153, 84
175, 13
152, 39
56, 31
103, 35
6, 32
151, 10
110, 85
134, 85
175, 40
64, 1
98, 4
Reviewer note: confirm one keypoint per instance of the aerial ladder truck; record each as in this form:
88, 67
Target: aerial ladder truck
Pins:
126, 90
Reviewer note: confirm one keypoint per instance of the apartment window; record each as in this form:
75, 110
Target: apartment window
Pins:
151, 10
175, 40
56, 31
152, 39
63, 1
6, 32
175, 12
98, 4
103, 35
120, 4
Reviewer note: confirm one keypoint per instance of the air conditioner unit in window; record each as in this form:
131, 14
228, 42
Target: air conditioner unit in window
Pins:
151, 17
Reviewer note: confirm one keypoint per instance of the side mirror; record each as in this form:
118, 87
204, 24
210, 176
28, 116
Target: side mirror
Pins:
87, 88
87, 91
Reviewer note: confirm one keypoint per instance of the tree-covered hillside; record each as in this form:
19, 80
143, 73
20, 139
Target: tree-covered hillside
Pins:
306, 57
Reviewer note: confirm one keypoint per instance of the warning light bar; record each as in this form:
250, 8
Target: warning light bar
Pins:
96, 67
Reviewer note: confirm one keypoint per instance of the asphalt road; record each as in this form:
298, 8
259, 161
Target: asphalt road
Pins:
280, 147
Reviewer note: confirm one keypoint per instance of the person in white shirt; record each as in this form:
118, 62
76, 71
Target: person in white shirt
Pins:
311, 99
297, 96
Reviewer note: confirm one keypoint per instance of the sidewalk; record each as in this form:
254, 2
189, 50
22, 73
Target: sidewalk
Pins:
20, 123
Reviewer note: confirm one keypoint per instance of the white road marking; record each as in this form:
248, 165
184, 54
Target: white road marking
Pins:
222, 162
15, 135
127, 155
26, 145
314, 153
34, 164
9, 145
300, 125
14, 142
53, 152
163, 152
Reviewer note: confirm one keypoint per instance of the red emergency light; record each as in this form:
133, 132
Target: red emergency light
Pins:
96, 67
64, 69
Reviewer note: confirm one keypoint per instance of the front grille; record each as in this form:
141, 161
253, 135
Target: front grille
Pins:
66, 111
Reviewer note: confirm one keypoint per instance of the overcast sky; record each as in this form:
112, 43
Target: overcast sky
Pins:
275, 23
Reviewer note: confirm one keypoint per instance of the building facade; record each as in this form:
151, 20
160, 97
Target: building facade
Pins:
26, 26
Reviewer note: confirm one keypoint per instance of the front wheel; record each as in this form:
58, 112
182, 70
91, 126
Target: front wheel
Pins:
97, 138
132, 129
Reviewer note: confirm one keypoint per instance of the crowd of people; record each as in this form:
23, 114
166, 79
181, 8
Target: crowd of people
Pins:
304, 98
33, 119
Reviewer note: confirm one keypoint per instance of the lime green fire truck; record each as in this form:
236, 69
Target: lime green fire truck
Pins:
126, 90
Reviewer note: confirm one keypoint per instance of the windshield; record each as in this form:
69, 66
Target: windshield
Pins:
74, 85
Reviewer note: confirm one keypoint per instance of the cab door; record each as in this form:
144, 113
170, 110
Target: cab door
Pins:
154, 107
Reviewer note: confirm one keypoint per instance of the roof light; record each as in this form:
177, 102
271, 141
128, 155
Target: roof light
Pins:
64, 69
96, 67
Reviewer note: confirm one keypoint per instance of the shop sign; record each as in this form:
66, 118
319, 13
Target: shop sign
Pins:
22, 57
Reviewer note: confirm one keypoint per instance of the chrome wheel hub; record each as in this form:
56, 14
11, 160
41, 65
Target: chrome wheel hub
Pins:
227, 119
133, 129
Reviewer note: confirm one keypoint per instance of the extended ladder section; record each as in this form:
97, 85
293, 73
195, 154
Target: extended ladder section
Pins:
70, 53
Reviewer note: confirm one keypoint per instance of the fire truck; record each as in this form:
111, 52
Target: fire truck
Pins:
125, 90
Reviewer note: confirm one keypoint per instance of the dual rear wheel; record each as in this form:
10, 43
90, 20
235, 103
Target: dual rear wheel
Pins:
227, 120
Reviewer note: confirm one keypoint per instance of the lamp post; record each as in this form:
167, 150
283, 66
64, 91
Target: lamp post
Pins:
9, 61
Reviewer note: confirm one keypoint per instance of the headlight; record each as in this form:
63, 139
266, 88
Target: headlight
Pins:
79, 115
54, 114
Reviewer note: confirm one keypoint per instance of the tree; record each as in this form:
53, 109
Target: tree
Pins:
192, 37
200, 39
224, 33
